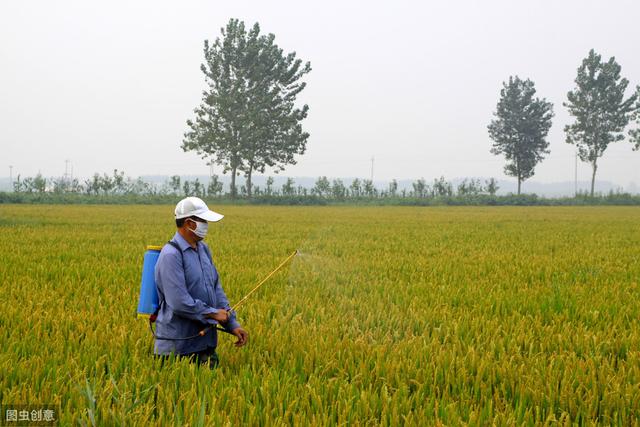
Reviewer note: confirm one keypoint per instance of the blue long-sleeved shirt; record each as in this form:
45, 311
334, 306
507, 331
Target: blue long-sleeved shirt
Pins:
186, 295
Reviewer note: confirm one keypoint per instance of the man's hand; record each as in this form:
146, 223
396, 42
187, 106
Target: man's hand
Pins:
242, 335
221, 316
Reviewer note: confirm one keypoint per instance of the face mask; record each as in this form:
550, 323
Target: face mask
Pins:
201, 229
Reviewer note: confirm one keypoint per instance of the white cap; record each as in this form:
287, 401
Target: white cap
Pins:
194, 206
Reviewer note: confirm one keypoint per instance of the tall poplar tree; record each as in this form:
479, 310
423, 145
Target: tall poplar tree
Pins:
248, 119
520, 128
600, 109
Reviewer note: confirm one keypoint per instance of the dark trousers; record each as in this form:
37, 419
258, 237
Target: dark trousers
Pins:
207, 358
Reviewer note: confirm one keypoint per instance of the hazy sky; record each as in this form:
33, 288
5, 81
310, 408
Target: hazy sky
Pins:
111, 84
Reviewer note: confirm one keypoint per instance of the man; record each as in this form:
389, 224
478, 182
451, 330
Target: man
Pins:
190, 295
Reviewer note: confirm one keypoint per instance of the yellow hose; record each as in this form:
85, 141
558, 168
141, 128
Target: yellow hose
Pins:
264, 280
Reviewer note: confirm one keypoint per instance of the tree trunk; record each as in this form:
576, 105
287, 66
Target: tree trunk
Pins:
249, 180
233, 183
593, 176
518, 175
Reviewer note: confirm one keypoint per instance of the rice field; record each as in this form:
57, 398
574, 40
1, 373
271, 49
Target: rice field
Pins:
389, 316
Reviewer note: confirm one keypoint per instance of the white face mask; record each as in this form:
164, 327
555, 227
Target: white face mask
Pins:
201, 229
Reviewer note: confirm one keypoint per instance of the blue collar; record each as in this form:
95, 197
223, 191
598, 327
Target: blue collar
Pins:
182, 243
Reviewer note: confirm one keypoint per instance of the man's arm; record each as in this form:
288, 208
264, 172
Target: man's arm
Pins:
232, 324
223, 303
171, 279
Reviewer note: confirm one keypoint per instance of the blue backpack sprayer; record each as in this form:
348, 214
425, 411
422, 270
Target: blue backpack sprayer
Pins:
148, 303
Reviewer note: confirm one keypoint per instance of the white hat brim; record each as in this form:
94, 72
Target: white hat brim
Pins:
210, 216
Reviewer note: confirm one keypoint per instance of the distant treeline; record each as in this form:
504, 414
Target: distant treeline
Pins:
583, 199
118, 184
119, 189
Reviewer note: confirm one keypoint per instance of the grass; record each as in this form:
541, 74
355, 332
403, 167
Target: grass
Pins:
390, 315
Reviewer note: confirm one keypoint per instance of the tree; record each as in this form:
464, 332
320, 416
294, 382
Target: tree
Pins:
355, 188
215, 186
60, 185
269, 187
600, 109
393, 188
17, 185
248, 120
186, 188
322, 187
338, 190
471, 187
635, 133
105, 183
139, 187
174, 184
520, 128
288, 188
39, 183
442, 188
420, 188
118, 182
92, 186
198, 188
368, 189
491, 186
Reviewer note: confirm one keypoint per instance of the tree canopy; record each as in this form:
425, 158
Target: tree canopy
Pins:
520, 128
635, 133
599, 108
248, 119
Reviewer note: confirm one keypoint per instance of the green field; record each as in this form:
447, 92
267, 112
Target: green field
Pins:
474, 315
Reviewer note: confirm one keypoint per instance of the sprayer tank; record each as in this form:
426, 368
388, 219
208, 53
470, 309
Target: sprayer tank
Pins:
148, 302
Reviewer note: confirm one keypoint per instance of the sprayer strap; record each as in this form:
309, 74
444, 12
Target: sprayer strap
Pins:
175, 245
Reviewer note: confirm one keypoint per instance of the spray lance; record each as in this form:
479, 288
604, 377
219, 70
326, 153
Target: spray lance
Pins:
148, 304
